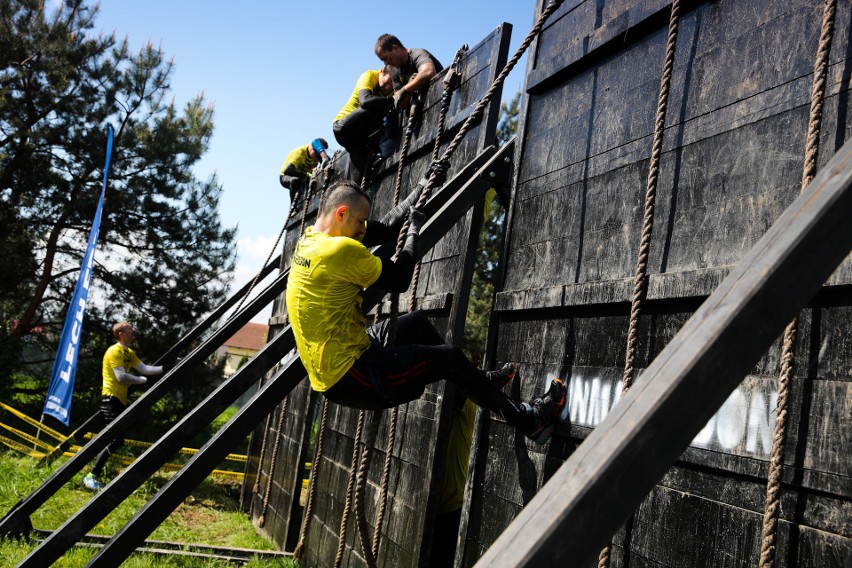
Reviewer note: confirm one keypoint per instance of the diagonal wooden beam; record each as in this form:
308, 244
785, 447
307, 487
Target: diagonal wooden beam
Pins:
604, 481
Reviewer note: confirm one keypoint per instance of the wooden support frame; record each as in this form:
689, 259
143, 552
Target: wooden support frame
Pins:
448, 211
605, 479
17, 519
173, 352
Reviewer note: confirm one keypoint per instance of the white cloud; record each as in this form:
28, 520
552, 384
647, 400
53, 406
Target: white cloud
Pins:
255, 248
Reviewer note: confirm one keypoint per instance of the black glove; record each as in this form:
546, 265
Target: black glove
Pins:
438, 169
416, 219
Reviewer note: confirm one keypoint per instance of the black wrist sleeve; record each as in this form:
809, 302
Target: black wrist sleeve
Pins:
396, 275
378, 233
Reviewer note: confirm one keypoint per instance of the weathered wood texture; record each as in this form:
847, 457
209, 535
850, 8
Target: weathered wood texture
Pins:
422, 426
733, 152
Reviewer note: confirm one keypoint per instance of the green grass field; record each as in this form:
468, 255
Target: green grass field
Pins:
209, 516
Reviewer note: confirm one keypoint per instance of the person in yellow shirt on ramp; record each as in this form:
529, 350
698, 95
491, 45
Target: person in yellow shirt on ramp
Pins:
120, 361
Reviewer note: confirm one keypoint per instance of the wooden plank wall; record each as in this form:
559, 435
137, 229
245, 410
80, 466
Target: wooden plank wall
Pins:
733, 153
422, 425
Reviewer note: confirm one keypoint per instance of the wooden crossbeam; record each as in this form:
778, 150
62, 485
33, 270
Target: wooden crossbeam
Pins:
603, 482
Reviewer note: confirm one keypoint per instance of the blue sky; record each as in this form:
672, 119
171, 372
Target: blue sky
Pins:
279, 71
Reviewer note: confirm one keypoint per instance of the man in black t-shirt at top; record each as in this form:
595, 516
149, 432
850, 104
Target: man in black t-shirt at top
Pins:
412, 69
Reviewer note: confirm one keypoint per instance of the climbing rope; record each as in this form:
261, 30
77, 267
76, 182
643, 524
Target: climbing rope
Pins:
350, 488
315, 465
772, 508
640, 280
273, 462
451, 81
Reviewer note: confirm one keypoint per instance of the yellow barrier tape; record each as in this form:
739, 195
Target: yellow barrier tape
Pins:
126, 460
20, 447
28, 437
33, 422
188, 451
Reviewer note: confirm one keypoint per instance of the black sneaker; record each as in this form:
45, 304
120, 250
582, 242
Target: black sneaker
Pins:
503, 376
546, 410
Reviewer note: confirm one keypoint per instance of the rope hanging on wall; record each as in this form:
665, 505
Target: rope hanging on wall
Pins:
350, 490
315, 465
273, 462
640, 280
451, 148
772, 508
267, 425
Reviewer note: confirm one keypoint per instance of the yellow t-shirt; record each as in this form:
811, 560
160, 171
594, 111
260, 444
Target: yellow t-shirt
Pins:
327, 276
117, 356
368, 80
301, 160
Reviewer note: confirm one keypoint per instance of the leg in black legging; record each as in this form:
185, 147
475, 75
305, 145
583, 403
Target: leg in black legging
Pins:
385, 376
353, 132
111, 407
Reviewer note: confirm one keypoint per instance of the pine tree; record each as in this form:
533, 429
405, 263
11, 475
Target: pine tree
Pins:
164, 259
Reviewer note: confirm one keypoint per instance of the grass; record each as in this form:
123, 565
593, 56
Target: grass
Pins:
209, 516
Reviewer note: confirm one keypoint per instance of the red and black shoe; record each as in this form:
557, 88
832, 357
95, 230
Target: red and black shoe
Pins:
546, 411
502, 376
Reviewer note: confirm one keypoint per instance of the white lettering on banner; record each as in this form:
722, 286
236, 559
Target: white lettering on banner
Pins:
65, 373
742, 426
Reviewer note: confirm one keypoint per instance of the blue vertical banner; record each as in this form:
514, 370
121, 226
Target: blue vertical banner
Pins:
61, 387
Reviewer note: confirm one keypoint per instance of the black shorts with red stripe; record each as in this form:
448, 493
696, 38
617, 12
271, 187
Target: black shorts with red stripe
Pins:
389, 375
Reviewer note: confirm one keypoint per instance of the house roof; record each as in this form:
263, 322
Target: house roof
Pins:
251, 336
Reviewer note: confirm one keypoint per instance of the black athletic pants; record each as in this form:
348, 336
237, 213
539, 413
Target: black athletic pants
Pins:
353, 132
111, 407
386, 376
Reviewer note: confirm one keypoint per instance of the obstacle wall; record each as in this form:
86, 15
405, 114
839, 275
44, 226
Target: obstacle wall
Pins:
732, 161
272, 492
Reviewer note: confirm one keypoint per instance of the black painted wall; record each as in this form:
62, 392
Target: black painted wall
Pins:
733, 153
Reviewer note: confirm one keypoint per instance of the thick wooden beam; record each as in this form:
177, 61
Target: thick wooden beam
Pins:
604, 481
17, 519
89, 424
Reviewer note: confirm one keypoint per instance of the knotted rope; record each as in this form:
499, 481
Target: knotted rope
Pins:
424, 196
772, 508
315, 465
273, 462
640, 280
350, 488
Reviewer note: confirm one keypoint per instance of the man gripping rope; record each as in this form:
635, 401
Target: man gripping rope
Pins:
361, 118
353, 365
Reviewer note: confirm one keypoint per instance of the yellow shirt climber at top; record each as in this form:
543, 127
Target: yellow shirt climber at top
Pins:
327, 275
368, 81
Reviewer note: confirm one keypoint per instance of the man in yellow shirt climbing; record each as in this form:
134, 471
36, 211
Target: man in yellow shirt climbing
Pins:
119, 363
298, 166
361, 119
353, 365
